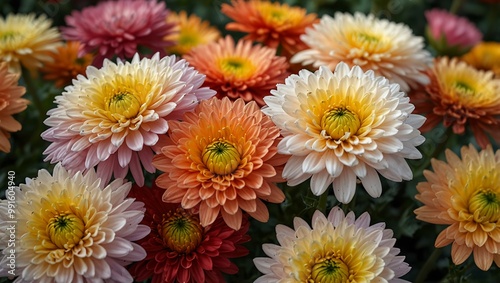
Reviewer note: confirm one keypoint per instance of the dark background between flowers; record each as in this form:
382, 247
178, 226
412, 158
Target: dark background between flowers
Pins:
395, 206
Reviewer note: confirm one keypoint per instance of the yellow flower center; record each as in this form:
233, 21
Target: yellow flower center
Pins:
123, 103
339, 122
368, 42
65, 230
464, 88
189, 38
277, 15
181, 231
237, 67
485, 206
8, 35
329, 270
221, 157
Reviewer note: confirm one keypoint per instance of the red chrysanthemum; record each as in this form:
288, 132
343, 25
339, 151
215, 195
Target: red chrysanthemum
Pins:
119, 28
179, 249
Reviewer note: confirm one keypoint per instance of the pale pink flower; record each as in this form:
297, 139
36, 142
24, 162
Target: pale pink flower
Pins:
446, 31
119, 28
116, 117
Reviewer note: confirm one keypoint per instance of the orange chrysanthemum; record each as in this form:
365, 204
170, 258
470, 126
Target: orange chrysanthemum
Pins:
465, 194
461, 97
189, 32
241, 71
485, 56
271, 23
223, 158
10, 104
66, 64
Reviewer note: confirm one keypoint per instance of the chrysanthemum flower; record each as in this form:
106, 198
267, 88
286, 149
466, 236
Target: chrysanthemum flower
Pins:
485, 56
66, 64
190, 32
223, 159
119, 28
27, 40
271, 23
179, 249
71, 227
464, 194
387, 48
339, 248
342, 126
241, 71
10, 103
460, 96
114, 117
450, 34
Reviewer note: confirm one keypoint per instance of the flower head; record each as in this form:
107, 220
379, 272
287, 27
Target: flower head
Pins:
241, 71
119, 28
114, 117
223, 159
190, 32
485, 56
10, 103
464, 194
66, 64
342, 126
450, 34
460, 96
179, 249
74, 228
387, 48
339, 248
27, 41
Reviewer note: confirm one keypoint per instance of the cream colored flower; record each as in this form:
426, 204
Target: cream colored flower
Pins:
387, 48
71, 227
343, 126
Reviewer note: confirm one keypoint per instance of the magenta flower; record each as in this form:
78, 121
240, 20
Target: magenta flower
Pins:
119, 27
450, 34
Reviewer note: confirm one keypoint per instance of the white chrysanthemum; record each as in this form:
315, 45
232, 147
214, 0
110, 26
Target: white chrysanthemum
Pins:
72, 228
116, 117
389, 49
342, 126
339, 248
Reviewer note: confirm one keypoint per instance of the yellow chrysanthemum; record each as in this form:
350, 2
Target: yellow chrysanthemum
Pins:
74, 228
336, 249
190, 32
387, 48
465, 195
27, 41
485, 56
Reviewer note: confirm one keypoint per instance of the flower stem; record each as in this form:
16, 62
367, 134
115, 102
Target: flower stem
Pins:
428, 266
456, 5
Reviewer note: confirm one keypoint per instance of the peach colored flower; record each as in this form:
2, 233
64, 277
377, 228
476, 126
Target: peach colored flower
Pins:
460, 97
66, 64
223, 159
27, 41
342, 127
189, 32
464, 195
485, 56
10, 103
339, 248
271, 23
389, 49
239, 71
115, 116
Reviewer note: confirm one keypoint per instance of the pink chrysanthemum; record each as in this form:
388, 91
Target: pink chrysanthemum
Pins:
72, 227
339, 248
179, 249
114, 117
119, 28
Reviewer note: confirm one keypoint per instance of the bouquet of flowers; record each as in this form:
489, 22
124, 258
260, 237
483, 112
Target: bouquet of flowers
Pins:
249, 141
